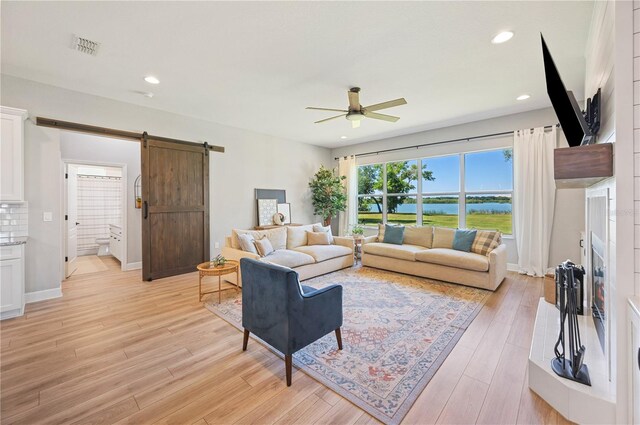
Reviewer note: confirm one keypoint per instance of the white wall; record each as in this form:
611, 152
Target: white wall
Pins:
251, 161
86, 147
609, 66
636, 136
569, 211
43, 191
624, 171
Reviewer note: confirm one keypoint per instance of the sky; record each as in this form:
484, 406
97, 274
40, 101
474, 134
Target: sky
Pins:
488, 171
446, 170
483, 171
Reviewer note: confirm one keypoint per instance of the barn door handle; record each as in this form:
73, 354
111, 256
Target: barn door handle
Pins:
638, 358
146, 209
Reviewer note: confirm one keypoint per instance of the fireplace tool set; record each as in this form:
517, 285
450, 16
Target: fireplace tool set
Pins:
568, 277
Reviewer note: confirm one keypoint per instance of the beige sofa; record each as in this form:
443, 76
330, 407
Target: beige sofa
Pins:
422, 254
291, 250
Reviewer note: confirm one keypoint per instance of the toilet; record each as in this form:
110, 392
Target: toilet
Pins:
103, 246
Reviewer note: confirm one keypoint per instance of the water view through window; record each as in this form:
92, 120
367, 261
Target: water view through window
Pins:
435, 196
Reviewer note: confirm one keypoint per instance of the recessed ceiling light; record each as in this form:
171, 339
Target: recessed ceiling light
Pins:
502, 37
523, 97
343, 137
147, 94
151, 79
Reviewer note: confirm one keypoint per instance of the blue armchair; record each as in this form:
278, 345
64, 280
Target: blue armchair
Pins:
286, 315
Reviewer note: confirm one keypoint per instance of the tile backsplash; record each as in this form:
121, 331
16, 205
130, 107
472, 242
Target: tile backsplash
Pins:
14, 219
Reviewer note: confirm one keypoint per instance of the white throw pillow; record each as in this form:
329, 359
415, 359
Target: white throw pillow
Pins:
235, 236
277, 237
327, 229
297, 235
246, 242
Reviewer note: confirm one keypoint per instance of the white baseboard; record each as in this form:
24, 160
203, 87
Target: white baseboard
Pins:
512, 267
47, 294
133, 266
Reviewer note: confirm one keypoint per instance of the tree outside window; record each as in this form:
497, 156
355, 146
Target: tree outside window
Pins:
391, 191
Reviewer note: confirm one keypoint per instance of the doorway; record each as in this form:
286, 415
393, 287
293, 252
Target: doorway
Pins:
86, 150
95, 236
174, 178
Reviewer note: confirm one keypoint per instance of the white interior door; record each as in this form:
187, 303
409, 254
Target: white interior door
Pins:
72, 219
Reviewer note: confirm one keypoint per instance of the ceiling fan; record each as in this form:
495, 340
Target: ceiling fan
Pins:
357, 112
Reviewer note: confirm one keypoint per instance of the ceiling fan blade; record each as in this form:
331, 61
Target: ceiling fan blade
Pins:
383, 117
326, 109
355, 124
385, 105
354, 100
332, 118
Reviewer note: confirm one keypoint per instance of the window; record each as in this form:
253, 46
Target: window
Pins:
472, 190
402, 180
489, 189
370, 183
440, 191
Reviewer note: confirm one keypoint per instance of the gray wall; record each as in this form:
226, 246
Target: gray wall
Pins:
86, 147
43, 191
251, 160
569, 212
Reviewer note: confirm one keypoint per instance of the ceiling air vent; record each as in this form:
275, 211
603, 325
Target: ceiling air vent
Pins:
85, 45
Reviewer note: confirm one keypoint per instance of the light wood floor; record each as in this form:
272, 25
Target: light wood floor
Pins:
91, 264
114, 349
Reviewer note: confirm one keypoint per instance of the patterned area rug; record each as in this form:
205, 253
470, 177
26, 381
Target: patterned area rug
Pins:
397, 331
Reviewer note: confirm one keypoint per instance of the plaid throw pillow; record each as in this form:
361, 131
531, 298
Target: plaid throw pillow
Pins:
380, 232
486, 241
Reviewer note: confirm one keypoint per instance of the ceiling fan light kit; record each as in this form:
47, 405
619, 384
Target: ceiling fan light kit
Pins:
356, 112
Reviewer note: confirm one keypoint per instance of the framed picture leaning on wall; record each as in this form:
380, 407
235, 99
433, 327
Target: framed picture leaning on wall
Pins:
266, 209
285, 209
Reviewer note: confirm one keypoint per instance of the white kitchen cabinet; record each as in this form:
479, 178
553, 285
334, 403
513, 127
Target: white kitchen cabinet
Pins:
634, 360
11, 281
12, 154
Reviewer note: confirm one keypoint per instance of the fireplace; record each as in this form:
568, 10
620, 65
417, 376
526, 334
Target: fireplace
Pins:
598, 290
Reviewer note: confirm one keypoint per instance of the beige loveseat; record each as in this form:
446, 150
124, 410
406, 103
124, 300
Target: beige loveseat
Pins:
291, 250
427, 252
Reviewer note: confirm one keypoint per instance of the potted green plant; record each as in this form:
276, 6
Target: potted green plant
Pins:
357, 231
218, 261
328, 194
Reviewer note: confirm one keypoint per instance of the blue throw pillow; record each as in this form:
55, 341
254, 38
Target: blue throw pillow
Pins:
394, 234
463, 239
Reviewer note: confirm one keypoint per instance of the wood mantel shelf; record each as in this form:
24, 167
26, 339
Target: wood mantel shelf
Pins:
582, 166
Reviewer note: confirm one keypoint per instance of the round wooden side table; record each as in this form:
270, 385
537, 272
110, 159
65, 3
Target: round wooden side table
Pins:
207, 269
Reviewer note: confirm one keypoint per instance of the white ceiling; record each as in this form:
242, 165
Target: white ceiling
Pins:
257, 65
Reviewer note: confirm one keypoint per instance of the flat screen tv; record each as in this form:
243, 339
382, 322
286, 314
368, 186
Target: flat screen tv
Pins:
574, 125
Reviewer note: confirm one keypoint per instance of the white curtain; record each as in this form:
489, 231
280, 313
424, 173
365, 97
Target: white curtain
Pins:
534, 197
349, 217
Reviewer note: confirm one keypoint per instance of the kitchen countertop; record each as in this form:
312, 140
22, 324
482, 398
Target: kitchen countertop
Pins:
18, 240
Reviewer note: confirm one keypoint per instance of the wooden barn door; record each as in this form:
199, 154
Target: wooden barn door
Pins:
175, 209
